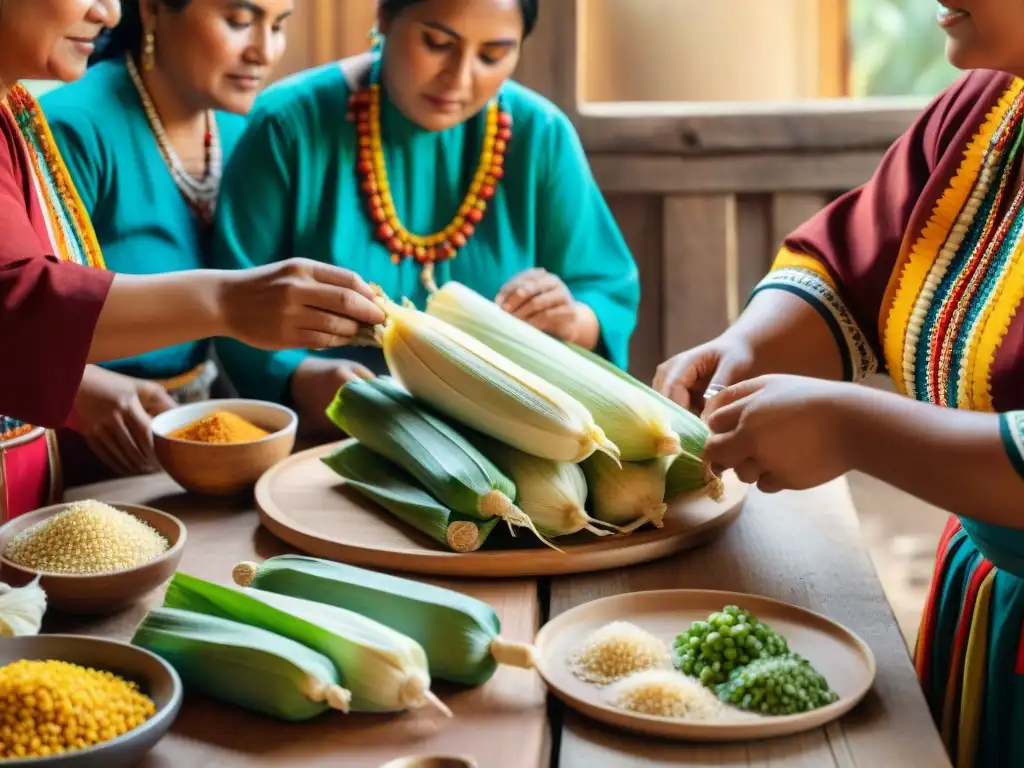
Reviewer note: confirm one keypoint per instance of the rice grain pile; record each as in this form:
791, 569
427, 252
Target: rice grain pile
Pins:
87, 537
616, 650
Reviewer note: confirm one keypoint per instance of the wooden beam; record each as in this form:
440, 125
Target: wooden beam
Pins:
550, 57
659, 174
699, 129
699, 233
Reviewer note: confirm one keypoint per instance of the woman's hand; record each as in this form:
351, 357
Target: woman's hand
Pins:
113, 413
315, 383
712, 366
781, 432
544, 301
296, 304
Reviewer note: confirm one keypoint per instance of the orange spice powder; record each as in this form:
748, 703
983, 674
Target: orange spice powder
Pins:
220, 427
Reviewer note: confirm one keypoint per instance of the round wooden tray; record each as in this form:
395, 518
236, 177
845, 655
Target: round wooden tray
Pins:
837, 653
302, 502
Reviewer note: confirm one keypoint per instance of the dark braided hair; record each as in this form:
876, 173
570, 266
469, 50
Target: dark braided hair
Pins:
529, 8
126, 37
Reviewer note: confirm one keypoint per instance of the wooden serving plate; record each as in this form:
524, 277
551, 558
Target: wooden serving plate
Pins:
305, 504
837, 653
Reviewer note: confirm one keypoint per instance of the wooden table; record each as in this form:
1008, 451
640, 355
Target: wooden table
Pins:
803, 548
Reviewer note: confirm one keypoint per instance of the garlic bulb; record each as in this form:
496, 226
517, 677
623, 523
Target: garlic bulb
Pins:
21, 609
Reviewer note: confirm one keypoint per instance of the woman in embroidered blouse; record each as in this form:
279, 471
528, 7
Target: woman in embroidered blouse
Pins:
919, 274
441, 142
59, 309
144, 135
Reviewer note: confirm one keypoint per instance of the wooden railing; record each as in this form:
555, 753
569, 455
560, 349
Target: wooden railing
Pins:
705, 227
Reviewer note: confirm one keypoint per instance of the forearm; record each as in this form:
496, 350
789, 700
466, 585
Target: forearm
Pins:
953, 459
787, 335
147, 312
588, 327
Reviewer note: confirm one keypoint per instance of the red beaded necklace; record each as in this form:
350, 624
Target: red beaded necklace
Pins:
373, 181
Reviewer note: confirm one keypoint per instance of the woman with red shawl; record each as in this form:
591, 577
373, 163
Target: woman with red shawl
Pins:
918, 274
59, 309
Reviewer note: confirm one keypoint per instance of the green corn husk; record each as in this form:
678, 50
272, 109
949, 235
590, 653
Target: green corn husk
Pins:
388, 420
688, 472
242, 665
391, 487
383, 670
632, 420
460, 634
628, 496
552, 493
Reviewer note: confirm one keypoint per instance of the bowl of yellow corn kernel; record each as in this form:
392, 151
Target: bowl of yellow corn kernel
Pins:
77, 701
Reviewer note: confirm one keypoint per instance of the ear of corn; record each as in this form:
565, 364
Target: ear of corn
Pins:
387, 420
688, 473
389, 486
460, 634
473, 384
631, 419
552, 493
383, 670
627, 495
242, 665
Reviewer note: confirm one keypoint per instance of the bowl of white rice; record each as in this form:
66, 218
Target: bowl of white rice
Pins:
91, 556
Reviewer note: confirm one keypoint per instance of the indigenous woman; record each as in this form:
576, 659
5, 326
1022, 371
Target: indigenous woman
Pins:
144, 135
918, 274
417, 164
59, 307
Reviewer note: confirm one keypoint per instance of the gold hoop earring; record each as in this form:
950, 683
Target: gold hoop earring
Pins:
148, 51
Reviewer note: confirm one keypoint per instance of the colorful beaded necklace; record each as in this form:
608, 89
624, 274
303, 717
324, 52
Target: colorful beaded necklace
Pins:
365, 112
200, 194
71, 234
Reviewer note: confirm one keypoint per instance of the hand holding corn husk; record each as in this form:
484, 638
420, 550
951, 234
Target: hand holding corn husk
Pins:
21, 609
780, 432
543, 300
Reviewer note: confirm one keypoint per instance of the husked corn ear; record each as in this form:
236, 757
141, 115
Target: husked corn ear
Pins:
471, 383
388, 485
630, 418
552, 493
460, 634
688, 473
242, 665
628, 495
388, 421
383, 670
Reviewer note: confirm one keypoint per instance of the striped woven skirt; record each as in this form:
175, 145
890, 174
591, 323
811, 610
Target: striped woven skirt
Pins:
970, 655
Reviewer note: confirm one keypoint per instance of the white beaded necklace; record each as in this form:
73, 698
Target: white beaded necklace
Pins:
201, 195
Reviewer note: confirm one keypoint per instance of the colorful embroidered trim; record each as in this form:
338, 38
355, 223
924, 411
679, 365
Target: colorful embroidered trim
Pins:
72, 227
859, 360
949, 307
72, 236
972, 694
1011, 429
790, 258
923, 264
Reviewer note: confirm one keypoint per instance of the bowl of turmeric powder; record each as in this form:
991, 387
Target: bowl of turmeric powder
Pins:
222, 447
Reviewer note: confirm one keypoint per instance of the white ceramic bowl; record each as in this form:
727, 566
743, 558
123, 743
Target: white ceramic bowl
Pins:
223, 469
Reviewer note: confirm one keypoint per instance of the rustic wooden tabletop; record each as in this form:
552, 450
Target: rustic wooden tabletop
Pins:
803, 548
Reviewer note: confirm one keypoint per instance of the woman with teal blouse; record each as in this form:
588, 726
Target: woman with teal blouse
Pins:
414, 165
144, 135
